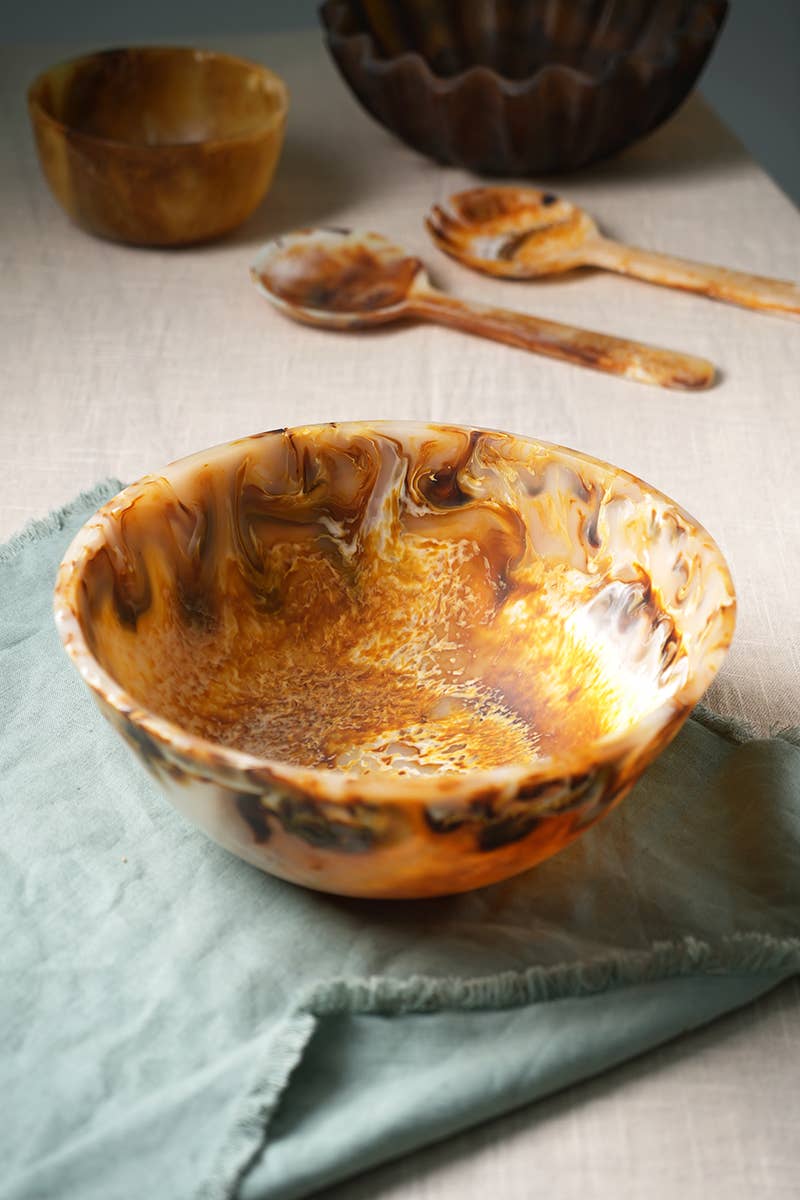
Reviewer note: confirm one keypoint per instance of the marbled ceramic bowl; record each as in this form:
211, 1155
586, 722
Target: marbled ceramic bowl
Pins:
515, 87
394, 659
158, 146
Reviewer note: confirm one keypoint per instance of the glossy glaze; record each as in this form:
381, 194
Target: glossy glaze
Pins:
158, 145
394, 659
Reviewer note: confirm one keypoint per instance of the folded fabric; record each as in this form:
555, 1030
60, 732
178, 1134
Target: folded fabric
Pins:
176, 1023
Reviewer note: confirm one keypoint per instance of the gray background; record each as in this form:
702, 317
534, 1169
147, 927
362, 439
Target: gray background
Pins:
753, 78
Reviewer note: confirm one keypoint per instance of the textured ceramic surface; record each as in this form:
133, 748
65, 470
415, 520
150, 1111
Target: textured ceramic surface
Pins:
158, 146
394, 659
509, 88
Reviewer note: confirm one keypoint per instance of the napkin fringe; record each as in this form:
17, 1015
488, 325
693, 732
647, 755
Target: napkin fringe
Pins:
41, 527
734, 729
245, 1139
738, 731
743, 952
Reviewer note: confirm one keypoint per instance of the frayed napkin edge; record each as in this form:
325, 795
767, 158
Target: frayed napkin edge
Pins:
249, 1133
738, 731
741, 952
247, 1136
54, 522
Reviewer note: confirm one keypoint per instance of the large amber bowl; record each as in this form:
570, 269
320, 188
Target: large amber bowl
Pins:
520, 87
158, 145
394, 659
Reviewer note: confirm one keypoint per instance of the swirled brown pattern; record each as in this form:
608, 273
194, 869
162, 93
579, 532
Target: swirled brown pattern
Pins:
519, 87
394, 659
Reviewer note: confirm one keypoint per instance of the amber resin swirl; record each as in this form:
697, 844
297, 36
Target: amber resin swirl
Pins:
394, 659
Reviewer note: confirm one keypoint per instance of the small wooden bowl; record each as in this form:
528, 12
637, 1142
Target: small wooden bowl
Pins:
158, 146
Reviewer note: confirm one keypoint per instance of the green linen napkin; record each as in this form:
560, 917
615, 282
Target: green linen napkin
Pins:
175, 1023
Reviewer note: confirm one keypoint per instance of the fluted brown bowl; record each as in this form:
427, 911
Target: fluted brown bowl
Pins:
394, 659
158, 146
519, 87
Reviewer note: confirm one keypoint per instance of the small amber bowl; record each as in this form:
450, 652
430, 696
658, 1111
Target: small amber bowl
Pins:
394, 659
158, 146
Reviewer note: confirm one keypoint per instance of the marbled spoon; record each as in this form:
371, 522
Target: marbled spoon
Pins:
521, 233
339, 279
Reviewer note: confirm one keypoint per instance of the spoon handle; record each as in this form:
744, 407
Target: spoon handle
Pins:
616, 356
735, 287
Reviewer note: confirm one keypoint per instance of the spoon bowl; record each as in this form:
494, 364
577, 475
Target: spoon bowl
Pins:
515, 232
337, 278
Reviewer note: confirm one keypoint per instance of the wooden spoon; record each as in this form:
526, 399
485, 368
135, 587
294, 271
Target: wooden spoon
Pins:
521, 233
344, 280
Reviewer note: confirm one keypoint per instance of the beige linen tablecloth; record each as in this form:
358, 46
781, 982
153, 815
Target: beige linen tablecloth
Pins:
116, 360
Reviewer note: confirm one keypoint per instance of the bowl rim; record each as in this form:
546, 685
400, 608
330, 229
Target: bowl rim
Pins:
444, 85
273, 122
214, 759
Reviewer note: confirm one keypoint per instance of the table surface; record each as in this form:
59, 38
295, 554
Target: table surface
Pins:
117, 360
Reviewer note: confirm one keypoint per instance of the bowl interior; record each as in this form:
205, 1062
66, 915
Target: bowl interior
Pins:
516, 38
161, 96
402, 598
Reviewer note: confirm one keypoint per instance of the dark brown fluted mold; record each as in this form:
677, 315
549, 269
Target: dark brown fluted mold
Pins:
512, 88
